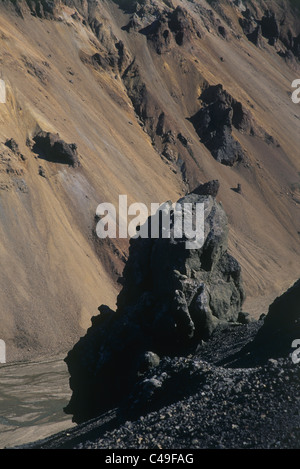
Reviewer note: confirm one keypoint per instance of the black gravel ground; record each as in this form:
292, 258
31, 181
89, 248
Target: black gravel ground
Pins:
219, 397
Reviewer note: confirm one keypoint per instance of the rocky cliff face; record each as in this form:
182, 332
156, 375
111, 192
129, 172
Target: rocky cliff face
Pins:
149, 99
172, 297
237, 389
281, 326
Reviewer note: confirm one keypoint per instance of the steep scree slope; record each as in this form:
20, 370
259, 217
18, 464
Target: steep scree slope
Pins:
121, 82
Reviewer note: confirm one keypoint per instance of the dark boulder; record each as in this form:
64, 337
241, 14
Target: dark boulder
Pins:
51, 148
245, 318
223, 32
208, 188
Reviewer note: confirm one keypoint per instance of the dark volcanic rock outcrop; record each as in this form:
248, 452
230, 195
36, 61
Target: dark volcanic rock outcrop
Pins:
270, 27
172, 297
171, 28
214, 123
43, 8
277, 26
14, 147
157, 123
208, 188
256, 36
281, 325
159, 34
51, 148
296, 46
180, 24
209, 399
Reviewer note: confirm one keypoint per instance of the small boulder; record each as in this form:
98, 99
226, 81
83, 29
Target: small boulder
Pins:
244, 318
50, 147
208, 188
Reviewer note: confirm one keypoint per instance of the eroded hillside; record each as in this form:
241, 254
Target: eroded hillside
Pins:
148, 99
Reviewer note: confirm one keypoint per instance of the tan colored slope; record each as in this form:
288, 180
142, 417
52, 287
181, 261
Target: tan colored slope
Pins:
52, 280
265, 219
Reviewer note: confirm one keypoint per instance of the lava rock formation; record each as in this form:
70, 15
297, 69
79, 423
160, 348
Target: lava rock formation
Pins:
214, 123
172, 298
